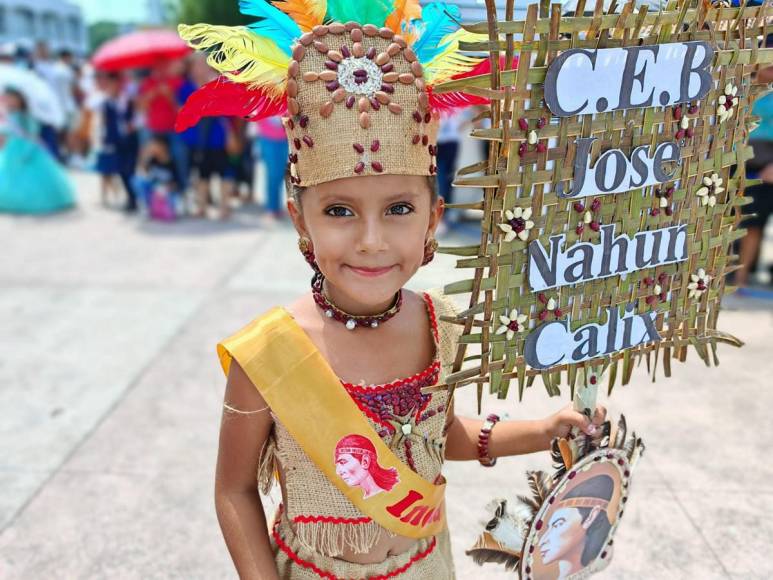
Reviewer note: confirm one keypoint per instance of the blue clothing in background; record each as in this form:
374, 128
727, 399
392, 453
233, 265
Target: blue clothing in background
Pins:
31, 180
274, 154
763, 107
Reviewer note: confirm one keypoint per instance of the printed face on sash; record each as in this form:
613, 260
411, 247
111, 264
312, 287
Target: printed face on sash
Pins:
356, 463
578, 525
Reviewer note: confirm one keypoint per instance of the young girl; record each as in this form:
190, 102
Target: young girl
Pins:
31, 180
328, 395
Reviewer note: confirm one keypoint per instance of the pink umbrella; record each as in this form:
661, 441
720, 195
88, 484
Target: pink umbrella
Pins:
139, 49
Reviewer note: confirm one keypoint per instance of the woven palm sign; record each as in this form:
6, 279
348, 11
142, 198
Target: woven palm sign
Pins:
613, 190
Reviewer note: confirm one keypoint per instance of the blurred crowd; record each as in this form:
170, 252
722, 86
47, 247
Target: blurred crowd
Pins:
122, 125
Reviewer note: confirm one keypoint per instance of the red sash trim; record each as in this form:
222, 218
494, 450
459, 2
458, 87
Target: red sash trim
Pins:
329, 520
322, 574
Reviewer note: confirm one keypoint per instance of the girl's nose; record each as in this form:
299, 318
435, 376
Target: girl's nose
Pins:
372, 237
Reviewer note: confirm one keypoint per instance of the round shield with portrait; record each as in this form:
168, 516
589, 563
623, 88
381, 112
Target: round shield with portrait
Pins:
571, 535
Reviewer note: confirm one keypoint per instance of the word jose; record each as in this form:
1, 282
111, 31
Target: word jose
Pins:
615, 173
583, 82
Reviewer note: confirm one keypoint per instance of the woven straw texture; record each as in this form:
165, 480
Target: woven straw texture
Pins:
310, 497
525, 176
390, 125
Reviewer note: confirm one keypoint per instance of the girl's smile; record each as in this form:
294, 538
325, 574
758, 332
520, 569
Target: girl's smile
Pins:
369, 272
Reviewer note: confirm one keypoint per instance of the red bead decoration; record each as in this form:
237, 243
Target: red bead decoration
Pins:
483, 441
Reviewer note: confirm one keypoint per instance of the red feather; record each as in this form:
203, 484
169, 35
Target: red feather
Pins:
445, 102
484, 68
223, 98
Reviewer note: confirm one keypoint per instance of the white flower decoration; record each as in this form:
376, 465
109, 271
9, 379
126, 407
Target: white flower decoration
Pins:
512, 324
699, 283
712, 186
727, 102
518, 224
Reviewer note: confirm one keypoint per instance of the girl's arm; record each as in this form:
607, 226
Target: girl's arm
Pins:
515, 437
239, 510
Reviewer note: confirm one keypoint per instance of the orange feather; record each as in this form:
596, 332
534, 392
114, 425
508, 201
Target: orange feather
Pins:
404, 12
306, 13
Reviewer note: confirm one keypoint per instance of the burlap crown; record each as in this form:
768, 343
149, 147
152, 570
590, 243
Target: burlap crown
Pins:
357, 105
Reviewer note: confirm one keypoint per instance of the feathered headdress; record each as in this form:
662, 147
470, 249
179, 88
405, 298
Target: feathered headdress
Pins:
353, 80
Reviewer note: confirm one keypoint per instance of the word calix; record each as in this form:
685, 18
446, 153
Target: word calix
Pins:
554, 343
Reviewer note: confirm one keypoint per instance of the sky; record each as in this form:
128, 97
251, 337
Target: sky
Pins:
115, 10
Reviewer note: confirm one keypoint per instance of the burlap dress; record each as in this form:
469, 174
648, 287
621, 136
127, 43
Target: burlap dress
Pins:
317, 522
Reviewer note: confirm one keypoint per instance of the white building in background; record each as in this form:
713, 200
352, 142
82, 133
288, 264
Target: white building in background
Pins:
57, 22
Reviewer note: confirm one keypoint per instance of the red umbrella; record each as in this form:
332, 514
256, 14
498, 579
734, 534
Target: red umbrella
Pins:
139, 49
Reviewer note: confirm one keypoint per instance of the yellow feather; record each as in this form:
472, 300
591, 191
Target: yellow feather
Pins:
404, 12
240, 55
450, 61
306, 13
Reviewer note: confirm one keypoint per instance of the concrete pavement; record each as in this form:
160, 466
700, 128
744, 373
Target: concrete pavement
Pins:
111, 396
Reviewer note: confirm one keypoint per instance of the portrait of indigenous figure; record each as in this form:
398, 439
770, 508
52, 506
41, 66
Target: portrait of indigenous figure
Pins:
571, 537
578, 528
357, 464
564, 528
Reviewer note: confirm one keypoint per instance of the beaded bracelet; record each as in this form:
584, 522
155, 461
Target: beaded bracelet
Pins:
483, 440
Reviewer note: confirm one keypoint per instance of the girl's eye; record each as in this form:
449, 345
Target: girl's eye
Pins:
339, 211
400, 209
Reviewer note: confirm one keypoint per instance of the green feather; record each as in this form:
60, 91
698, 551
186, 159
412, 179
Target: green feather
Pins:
365, 12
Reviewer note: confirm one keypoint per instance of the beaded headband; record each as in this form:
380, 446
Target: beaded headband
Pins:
353, 451
584, 502
352, 80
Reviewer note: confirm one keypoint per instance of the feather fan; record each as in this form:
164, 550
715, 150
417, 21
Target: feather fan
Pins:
362, 11
404, 12
438, 21
224, 98
450, 62
275, 24
306, 13
240, 55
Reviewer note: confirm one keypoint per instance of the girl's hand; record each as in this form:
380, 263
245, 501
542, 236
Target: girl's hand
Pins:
561, 423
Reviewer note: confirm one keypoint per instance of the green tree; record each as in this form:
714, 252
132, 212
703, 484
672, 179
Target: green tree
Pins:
224, 12
101, 32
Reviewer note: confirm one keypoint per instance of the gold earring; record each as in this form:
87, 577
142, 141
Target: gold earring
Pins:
429, 251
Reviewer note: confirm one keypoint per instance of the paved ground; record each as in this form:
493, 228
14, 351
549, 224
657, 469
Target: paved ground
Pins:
111, 396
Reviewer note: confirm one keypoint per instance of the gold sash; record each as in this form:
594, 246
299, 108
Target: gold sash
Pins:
307, 396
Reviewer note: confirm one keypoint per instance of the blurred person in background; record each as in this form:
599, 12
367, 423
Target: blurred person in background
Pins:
761, 166
158, 181
7, 53
115, 137
43, 65
448, 138
31, 180
64, 74
158, 99
240, 158
273, 151
210, 159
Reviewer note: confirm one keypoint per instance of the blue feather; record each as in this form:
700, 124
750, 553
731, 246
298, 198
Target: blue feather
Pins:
438, 19
275, 24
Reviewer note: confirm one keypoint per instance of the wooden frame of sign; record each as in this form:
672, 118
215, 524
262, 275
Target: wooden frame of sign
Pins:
613, 190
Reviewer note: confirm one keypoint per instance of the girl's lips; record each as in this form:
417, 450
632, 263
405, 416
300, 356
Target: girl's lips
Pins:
370, 272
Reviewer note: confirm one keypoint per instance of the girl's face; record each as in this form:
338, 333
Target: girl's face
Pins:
13, 102
368, 234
